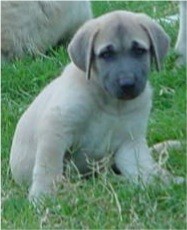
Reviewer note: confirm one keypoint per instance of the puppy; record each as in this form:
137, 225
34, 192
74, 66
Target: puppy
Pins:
181, 40
100, 105
33, 27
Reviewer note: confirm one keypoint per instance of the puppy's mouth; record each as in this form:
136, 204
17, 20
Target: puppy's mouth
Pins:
123, 93
127, 96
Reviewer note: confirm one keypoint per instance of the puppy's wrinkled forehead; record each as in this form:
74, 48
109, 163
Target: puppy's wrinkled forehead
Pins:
121, 29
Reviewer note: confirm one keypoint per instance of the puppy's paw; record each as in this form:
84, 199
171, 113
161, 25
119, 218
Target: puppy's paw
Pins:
37, 202
37, 194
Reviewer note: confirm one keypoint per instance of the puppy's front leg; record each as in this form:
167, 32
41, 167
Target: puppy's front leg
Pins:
134, 161
51, 147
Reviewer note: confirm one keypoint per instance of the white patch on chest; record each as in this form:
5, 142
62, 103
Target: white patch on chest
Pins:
104, 135
112, 125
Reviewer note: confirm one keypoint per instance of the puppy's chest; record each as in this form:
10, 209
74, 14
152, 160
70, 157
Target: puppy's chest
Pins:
103, 134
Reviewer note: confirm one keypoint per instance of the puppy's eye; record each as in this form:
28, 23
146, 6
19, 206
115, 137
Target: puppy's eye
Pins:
108, 53
139, 50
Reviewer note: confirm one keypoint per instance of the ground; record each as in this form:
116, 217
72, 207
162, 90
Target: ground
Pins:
108, 201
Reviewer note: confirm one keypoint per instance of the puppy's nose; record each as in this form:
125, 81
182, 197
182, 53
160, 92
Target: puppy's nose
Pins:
127, 84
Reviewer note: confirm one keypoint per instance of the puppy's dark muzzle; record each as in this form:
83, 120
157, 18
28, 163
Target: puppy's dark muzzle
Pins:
127, 84
127, 88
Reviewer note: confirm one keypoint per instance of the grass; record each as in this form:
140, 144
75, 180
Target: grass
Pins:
108, 201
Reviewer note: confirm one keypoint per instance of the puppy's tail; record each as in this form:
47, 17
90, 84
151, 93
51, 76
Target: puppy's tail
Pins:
162, 149
166, 146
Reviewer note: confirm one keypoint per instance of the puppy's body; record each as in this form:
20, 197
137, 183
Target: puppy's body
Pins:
33, 27
99, 105
87, 117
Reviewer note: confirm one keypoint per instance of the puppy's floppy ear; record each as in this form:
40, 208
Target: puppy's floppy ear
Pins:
159, 39
81, 46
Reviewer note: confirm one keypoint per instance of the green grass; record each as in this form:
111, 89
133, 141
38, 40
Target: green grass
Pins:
108, 201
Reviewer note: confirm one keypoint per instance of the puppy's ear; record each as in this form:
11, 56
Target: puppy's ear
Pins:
81, 46
159, 39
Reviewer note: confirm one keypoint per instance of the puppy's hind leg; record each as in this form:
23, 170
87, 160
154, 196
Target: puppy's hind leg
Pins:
51, 148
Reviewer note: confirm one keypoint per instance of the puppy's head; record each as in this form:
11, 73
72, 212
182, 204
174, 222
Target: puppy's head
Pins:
117, 49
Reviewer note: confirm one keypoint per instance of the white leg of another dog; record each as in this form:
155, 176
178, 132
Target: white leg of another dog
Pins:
181, 40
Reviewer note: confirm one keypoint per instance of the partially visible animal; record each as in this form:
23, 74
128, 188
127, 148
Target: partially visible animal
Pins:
35, 26
181, 40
